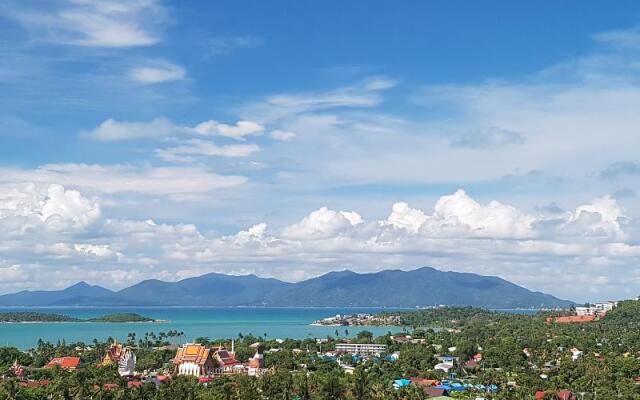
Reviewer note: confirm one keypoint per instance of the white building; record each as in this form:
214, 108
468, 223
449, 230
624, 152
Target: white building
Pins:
596, 309
575, 353
444, 366
361, 348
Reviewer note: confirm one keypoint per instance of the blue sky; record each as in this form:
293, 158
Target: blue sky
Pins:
152, 138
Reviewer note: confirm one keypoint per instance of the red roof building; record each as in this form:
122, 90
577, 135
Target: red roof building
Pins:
435, 392
424, 381
225, 359
471, 364
572, 319
64, 362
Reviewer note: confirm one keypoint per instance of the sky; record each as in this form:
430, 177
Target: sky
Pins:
167, 139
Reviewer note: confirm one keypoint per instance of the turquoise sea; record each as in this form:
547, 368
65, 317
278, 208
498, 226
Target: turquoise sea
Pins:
194, 322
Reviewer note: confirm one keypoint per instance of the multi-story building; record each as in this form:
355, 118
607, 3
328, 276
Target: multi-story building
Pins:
361, 348
596, 309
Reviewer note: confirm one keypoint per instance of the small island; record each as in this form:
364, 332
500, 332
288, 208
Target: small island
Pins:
30, 316
34, 317
122, 317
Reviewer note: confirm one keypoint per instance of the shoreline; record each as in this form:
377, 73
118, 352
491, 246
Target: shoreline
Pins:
159, 321
155, 307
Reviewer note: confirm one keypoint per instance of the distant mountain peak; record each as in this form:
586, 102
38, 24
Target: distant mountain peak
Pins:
79, 285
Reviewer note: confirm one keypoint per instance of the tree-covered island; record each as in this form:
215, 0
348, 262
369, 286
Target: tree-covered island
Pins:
32, 317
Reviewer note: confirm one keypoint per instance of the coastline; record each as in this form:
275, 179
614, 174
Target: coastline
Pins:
159, 321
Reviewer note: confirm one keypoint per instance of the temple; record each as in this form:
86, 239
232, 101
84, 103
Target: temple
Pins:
200, 361
226, 360
195, 360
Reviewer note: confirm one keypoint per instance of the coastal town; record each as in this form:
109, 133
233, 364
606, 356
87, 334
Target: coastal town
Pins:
359, 320
473, 353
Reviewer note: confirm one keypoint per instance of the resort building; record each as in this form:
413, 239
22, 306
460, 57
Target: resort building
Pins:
64, 362
596, 309
195, 360
361, 348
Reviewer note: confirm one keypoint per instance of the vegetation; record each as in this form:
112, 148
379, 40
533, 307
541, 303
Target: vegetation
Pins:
521, 354
30, 316
122, 317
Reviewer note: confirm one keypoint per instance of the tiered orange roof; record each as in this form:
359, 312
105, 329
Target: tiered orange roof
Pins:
195, 353
64, 362
113, 354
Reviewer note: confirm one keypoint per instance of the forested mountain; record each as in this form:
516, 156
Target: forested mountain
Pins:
391, 288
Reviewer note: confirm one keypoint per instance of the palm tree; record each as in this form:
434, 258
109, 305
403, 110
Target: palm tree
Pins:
360, 384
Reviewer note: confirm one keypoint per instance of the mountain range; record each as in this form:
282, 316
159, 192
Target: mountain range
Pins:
391, 288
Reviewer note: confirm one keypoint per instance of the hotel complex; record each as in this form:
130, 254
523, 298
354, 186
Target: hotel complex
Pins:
361, 349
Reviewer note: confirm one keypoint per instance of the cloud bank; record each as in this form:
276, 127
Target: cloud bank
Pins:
62, 231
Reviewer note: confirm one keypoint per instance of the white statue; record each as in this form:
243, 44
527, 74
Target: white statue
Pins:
127, 363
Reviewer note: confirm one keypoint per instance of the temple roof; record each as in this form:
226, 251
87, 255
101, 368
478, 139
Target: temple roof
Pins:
64, 362
195, 353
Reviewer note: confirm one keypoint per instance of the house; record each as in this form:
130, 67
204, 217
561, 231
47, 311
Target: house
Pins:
195, 360
424, 381
393, 357
471, 364
400, 383
64, 362
348, 369
443, 366
402, 339
575, 353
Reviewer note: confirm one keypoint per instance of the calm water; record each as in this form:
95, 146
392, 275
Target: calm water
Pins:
194, 322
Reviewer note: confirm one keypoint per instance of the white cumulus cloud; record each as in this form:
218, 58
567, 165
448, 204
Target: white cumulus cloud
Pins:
238, 131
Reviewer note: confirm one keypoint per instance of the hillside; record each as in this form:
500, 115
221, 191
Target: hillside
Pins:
420, 287
392, 288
